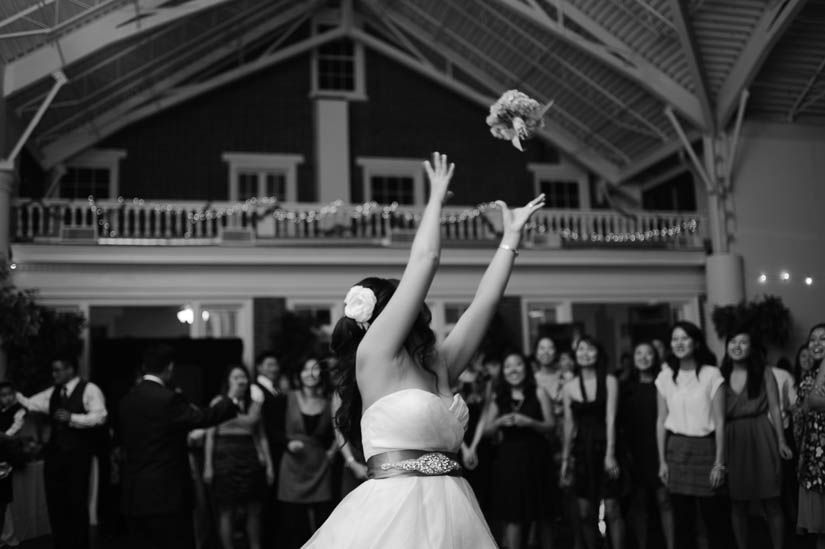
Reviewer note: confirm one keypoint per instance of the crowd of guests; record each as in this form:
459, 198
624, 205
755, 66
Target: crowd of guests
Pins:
661, 450
667, 450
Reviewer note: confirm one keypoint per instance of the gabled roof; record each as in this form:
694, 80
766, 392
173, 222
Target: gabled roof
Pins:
612, 67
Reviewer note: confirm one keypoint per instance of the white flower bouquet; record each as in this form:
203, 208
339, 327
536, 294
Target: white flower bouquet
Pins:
516, 116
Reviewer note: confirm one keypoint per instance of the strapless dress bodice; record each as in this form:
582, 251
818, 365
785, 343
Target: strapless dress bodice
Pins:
413, 419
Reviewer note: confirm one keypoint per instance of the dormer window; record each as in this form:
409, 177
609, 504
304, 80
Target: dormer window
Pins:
337, 66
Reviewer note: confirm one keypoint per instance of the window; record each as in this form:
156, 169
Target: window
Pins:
337, 66
79, 183
560, 194
262, 175
264, 182
93, 173
320, 317
539, 317
388, 180
389, 189
219, 320
564, 185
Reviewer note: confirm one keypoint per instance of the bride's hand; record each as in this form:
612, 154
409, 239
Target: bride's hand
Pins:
513, 221
439, 174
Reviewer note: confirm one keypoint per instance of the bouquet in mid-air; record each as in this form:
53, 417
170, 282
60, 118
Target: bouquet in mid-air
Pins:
516, 116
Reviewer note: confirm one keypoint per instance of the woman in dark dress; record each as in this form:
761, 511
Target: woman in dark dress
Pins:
305, 476
637, 424
754, 441
237, 462
522, 414
590, 405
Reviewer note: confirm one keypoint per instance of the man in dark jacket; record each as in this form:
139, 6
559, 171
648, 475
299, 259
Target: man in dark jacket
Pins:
156, 480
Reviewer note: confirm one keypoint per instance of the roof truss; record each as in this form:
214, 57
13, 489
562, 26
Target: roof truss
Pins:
553, 132
615, 54
682, 25
172, 91
776, 18
119, 24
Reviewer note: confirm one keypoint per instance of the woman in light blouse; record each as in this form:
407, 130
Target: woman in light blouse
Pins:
690, 433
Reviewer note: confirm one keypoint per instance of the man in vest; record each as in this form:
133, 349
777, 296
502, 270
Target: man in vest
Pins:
74, 407
273, 413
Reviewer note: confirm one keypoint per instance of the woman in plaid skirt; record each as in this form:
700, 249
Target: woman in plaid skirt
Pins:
691, 436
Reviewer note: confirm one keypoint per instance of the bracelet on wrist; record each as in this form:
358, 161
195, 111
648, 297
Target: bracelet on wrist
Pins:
509, 249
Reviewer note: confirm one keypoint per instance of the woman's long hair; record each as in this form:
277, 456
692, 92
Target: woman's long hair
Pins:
534, 358
815, 364
503, 390
798, 372
347, 335
755, 363
323, 365
701, 352
246, 398
601, 357
655, 367
600, 365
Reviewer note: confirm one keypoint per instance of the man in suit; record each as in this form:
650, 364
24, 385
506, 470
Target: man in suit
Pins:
156, 480
76, 409
273, 413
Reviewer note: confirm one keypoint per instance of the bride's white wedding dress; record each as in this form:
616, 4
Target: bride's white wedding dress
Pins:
416, 512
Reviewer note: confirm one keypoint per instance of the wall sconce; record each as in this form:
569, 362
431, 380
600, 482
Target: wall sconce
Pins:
186, 315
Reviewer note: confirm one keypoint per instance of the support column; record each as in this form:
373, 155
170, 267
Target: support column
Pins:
6, 183
332, 149
725, 285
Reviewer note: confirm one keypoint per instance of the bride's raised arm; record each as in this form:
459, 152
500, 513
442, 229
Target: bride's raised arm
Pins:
385, 338
463, 340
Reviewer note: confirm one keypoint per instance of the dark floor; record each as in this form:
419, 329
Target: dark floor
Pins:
758, 540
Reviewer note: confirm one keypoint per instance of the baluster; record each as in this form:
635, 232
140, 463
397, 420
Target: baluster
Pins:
18, 216
32, 229
165, 216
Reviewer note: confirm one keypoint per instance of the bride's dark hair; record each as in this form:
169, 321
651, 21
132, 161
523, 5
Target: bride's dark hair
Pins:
347, 335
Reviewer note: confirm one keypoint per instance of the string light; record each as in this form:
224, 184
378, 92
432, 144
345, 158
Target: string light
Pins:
785, 277
673, 231
260, 208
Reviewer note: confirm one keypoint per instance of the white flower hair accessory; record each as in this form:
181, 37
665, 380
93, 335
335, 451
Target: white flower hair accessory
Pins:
359, 305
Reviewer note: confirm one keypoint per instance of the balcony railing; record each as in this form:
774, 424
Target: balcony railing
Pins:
178, 222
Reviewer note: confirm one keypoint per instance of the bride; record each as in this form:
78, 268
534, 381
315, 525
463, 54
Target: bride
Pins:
394, 382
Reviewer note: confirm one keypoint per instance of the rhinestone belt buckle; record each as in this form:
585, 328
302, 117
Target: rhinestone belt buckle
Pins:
428, 464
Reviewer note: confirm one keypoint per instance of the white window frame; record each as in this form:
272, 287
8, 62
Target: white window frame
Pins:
563, 171
333, 18
96, 158
286, 163
373, 166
